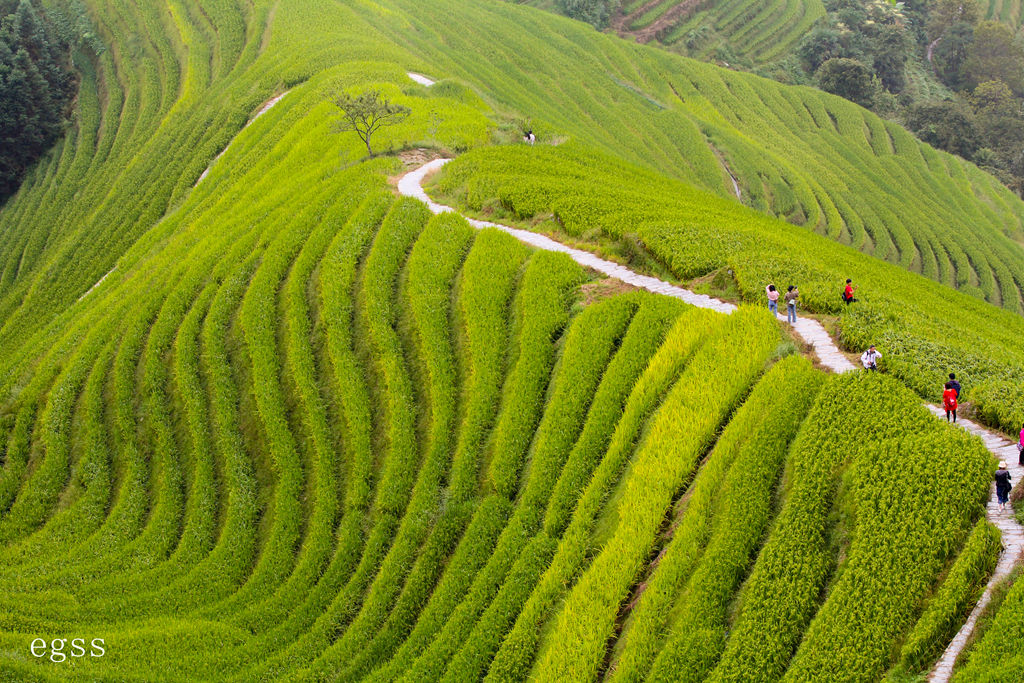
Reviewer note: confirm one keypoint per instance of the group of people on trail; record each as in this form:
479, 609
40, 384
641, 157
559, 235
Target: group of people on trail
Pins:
792, 294
789, 298
869, 359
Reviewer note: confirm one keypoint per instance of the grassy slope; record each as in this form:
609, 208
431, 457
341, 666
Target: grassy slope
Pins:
827, 164
1007, 11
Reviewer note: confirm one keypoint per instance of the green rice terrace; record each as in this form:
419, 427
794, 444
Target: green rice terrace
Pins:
1006, 11
759, 31
264, 419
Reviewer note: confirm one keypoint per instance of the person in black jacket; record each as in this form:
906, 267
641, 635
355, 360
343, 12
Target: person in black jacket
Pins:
954, 384
1003, 485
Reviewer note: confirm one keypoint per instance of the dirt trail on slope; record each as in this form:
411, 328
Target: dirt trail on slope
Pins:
262, 110
808, 329
620, 24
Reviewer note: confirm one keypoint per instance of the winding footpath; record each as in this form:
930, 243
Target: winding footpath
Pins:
262, 110
815, 335
1013, 543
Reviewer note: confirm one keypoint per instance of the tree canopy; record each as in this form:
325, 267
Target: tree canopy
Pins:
847, 78
594, 12
366, 113
995, 55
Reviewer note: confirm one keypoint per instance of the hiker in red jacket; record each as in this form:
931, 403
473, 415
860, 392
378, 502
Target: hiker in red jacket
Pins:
848, 292
949, 401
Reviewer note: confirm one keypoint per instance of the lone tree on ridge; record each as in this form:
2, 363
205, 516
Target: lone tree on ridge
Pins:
366, 113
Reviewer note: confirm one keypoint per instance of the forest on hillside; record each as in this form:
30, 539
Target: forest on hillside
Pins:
36, 86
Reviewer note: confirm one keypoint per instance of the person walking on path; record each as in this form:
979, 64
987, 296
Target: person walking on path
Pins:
1020, 448
848, 292
949, 397
870, 358
954, 384
1003, 485
773, 299
791, 296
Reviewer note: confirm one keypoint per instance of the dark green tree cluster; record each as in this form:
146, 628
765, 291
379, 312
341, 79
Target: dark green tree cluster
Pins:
36, 87
872, 39
983, 63
596, 12
861, 52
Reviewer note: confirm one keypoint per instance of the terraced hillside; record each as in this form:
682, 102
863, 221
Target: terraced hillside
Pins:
1006, 11
271, 423
182, 95
375, 432
826, 163
997, 656
758, 31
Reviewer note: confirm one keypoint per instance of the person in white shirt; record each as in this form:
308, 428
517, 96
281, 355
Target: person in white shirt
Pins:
870, 358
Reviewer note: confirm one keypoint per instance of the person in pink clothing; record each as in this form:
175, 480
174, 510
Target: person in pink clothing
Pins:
1020, 448
773, 299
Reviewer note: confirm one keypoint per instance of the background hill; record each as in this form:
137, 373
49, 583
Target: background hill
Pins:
755, 32
948, 70
270, 422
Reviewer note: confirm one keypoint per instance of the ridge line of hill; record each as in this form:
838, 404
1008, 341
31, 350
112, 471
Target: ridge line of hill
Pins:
815, 335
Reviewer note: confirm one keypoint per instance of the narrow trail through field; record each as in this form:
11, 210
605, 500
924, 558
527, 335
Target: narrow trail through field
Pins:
98, 283
811, 331
420, 78
1013, 544
829, 355
262, 110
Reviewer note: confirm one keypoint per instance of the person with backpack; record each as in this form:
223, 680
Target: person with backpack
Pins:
791, 296
953, 383
773, 299
949, 397
1003, 485
870, 358
848, 292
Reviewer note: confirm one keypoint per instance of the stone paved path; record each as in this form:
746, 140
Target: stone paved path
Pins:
263, 110
812, 332
411, 186
1013, 542
420, 78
